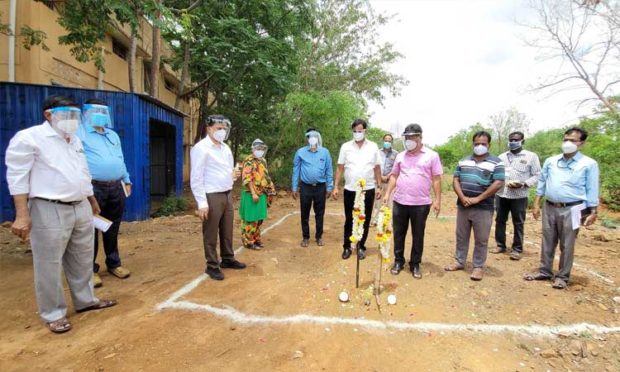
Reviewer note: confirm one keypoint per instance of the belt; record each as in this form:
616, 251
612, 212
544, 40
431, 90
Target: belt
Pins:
219, 192
563, 205
314, 184
106, 183
60, 201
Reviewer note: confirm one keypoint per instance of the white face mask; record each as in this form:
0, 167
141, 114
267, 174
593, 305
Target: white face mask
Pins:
220, 135
259, 153
313, 141
358, 136
67, 126
411, 145
568, 147
480, 150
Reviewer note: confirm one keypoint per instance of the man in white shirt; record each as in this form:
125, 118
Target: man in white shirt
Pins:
212, 174
49, 180
358, 159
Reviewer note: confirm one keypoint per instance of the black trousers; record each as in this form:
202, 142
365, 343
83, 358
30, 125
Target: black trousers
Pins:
111, 200
310, 196
349, 201
402, 216
517, 209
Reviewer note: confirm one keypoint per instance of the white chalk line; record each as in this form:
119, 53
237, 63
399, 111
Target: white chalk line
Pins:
248, 319
530, 330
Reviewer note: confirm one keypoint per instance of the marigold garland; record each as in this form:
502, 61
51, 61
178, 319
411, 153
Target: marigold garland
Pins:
384, 232
358, 212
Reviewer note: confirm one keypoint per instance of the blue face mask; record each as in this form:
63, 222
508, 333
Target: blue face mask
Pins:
99, 120
387, 145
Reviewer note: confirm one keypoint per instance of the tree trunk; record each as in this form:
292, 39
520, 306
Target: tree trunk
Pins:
132, 61
155, 56
184, 74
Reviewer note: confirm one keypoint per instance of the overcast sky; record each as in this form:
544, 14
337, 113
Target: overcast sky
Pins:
465, 61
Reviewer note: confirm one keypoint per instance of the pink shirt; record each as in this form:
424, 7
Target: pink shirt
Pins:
415, 175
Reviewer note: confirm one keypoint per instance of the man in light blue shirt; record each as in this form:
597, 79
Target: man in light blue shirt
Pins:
111, 183
569, 182
312, 166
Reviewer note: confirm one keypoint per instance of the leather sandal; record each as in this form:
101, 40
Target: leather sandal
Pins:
59, 326
537, 275
454, 267
102, 304
559, 284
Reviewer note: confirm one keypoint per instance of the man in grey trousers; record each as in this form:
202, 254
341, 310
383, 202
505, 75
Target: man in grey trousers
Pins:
49, 180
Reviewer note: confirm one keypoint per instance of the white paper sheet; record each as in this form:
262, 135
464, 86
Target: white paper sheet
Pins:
101, 223
123, 184
575, 214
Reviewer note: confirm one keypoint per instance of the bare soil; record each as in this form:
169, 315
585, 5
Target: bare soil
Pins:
165, 254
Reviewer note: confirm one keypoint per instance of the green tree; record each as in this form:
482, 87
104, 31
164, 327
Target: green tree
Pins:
458, 146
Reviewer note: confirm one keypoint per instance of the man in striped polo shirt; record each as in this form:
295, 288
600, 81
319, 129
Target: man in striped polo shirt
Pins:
476, 180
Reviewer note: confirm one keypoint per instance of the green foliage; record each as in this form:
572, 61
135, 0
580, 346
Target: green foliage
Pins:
30, 37
170, 206
457, 147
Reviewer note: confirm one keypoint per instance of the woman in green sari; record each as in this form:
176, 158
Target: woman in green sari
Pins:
255, 195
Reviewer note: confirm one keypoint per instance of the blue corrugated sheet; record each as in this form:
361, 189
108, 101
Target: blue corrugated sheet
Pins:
20, 107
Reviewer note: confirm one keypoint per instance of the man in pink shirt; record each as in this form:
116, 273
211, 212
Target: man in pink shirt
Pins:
415, 170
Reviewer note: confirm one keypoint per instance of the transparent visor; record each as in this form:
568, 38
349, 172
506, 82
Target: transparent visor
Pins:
314, 139
218, 126
97, 116
65, 113
256, 147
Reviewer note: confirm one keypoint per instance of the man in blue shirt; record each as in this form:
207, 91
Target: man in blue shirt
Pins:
570, 183
110, 179
312, 166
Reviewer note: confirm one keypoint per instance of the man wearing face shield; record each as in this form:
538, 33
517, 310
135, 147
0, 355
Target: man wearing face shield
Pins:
312, 181
111, 182
569, 182
522, 171
358, 159
258, 189
476, 180
212, 175
416, 170
48, 176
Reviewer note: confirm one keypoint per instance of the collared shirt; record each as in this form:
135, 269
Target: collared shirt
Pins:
523, 167
104, 155
313, 167
415, 176
566, 181
211, 170
359, 162
476, 177
42, 164
387, 158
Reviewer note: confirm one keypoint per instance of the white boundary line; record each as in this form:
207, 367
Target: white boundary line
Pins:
248, 319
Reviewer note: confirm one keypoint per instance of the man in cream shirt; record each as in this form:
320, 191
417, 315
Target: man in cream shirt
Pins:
358, 159
212, 175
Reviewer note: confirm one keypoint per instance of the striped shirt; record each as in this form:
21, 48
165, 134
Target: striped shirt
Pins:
523, 167
476, 177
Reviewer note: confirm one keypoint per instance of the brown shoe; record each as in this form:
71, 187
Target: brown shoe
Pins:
120, 272
454, 267
476, 274
97, 282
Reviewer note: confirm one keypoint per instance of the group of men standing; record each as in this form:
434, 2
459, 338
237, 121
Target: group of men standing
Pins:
484, 184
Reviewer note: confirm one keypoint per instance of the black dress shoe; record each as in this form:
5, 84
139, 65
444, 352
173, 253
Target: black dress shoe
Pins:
319, 242
259, 244
214, 273
232, 264
346, 253
416, 272
361, 253
396, 268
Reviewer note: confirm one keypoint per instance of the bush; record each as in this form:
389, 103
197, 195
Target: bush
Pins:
171, 205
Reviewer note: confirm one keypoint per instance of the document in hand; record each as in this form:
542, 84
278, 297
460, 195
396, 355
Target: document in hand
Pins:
101, 223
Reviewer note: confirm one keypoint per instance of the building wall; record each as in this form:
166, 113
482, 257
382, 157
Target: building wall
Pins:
59, 67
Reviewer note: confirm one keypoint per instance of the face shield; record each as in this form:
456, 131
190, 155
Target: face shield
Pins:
314, 139
97, 116
259, 149
65, 119
220, 127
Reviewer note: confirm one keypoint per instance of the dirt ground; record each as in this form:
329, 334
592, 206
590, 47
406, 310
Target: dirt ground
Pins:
285, 280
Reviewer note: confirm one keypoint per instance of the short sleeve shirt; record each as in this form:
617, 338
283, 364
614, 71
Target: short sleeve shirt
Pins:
415, 176
359, 162
477, 176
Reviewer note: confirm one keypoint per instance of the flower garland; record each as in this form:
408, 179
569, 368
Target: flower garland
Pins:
384, 232
358, 212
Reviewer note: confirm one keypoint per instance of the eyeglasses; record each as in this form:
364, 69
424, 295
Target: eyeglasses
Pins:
572, 140
562, 164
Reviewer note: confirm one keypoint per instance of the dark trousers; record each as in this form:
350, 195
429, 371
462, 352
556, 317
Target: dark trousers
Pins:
349, 201
111, 200
308, 196
517, 209
219, 223
402, 216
